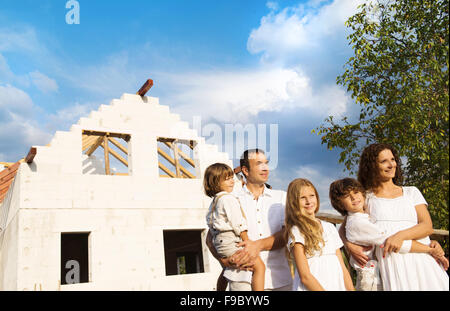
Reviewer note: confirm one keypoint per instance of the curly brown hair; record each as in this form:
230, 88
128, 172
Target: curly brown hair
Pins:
341, 188
369, 173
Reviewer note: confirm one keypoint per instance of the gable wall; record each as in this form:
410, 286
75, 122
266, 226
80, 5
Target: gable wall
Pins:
126, 215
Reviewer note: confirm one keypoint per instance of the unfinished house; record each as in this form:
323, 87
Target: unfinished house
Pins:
116, 203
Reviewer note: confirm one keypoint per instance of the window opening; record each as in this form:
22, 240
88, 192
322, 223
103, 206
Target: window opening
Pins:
111, 158
175, 158
74, 258
183, 251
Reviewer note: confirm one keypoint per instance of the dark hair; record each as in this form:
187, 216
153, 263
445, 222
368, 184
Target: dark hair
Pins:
214, 174
369, 173
244, 158
341, 188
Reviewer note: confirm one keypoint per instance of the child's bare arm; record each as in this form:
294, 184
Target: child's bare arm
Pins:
305, 274
417, 247
347, 278
244, 235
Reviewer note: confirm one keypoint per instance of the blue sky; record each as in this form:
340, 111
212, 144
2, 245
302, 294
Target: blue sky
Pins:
228, 62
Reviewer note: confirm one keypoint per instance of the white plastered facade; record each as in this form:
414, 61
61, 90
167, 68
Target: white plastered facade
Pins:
125, 215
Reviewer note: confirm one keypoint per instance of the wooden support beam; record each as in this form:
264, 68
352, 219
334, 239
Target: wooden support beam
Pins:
186, 158
166, 170
177, 162
31, 154
116, 155
125, 137
145, 87
164, 139
180, 153
95, 145
88, 142
186, 172
172, 161
166, 156
106, 152
118, 145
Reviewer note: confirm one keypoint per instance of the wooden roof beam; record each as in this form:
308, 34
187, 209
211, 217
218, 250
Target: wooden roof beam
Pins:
145, 87
118, 145
116, 155
31, 154
166, 170
172, 161
180, 153
88, 142
95, 146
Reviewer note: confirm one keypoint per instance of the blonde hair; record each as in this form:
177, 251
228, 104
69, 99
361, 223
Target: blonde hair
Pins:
215, 174
296, 216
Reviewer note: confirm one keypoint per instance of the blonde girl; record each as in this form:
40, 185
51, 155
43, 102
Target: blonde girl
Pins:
226, 219
313, 243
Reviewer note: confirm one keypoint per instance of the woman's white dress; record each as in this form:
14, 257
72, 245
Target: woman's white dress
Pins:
325, 267
410, 271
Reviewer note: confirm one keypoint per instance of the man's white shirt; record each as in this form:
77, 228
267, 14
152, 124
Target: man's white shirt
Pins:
265, 217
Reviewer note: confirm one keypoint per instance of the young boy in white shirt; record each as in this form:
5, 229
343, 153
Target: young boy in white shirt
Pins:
348, 198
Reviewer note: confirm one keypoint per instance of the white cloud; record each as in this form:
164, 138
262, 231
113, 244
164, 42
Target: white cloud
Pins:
14, 101
7, 76
19, 39
287, 41
112, 77
18, 128
272, 5
299, 29
236, 96
5, 72
65, 117
43, 83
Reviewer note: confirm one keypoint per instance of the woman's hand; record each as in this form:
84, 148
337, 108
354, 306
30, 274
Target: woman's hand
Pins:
357, 252
443, 261
392, 244
438, 253
436, 249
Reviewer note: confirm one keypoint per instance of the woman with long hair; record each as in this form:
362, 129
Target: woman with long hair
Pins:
402, 211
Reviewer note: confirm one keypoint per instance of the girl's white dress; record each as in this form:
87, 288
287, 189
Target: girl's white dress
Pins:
325, 267
410, 271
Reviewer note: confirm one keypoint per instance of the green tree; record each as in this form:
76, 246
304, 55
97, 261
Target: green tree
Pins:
399, 78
